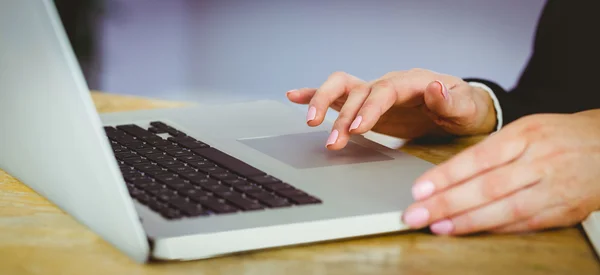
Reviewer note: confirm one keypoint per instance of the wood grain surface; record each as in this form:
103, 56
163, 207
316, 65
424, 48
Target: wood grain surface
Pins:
38, 238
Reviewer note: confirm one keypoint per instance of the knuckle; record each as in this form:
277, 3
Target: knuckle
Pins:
481, 158
418, 71
441, 206
493, 187
363, 89
518, 209
466, 222
384, 84
534, 223
338, 75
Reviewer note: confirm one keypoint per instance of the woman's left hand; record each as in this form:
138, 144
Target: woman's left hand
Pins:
539, 172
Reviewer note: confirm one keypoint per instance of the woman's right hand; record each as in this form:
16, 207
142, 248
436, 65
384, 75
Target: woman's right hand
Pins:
405, 104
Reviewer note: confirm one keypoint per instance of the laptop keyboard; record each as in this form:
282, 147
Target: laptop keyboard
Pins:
179, 176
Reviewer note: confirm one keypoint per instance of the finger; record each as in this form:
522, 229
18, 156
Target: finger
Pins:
554, 217
473, 193
454, 104
347, 119
336, 86
521, 205
382, 97
497, 150
301, 96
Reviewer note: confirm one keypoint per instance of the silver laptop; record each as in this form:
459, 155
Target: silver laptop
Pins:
186, 183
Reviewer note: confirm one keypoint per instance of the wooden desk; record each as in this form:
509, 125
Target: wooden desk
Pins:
38, 238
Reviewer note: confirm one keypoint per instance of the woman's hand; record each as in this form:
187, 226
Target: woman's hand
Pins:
405, 104
540, 172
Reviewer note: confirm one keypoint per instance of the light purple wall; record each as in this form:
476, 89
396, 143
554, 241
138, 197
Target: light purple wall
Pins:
212, 50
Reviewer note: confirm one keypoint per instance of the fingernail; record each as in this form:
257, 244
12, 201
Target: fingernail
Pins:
312, 113
422, 190
416, 217
443, 227
356, 123
290, 91
332, 137
444, 89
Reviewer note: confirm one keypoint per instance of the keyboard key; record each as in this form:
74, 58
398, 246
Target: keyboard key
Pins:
224, 176
236, 182
195, 194
158, 206
201, 164
166, 178
134, 177
192, 175
170, 163
212, 170
134, 161
277, 202
126, 155
188, 142
277, 186
149, 186
159, 143
179, 152
262, 195
159, 125
191, 158
120, 149
266, 179
156, 173
133, 130
169, 147
171, 214
149, 151
159, 158
189, 208
242, 202
181, 186
247, 188
157, 130
174, 132
235, 165
290, 193
216, 205
182, 169
305, 200
138, 145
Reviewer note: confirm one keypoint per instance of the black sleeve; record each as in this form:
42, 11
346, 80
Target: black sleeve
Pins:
554, 79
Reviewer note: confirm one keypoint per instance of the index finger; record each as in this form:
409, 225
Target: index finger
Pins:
336, 86
497, 150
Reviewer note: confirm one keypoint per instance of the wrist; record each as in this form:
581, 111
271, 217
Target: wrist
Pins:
489, 121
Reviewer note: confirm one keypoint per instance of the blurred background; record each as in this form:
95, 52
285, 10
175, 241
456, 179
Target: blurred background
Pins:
233, 50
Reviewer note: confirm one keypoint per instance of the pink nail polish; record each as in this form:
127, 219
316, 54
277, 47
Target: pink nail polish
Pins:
356, 123
422, 190
444, 89
312, 113
332, 137
443, 227
416, 217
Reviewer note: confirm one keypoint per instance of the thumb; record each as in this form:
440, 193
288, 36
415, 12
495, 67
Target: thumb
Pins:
449, 104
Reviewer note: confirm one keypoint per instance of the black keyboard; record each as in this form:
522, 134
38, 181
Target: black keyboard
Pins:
182, 177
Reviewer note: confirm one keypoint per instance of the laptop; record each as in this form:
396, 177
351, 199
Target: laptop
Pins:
183, 183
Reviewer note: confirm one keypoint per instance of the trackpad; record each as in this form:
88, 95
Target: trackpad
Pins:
307, 150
